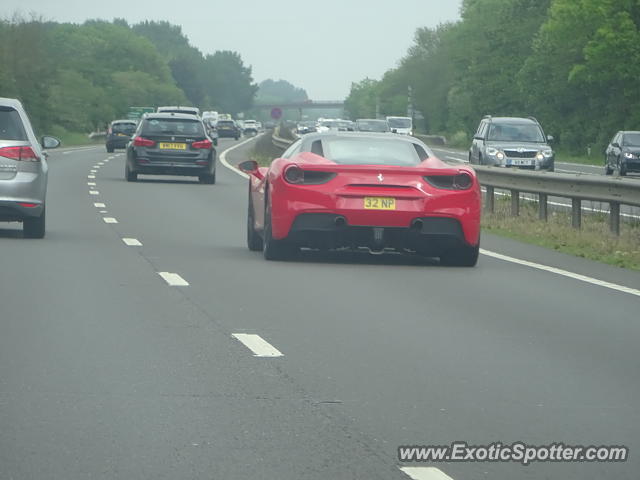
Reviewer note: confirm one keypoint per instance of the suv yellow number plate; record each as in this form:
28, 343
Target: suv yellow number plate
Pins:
173, 146
379, 203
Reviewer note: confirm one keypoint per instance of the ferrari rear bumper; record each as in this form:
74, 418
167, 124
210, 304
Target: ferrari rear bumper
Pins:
425, 235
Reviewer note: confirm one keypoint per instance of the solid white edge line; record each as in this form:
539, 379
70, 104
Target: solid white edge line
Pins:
564, 273
223, 156
132, 242
558, 271
425, 473
173, 279
109, 220
259, 346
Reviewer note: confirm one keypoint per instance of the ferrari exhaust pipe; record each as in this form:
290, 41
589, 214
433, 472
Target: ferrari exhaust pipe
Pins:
340, 222
417, 225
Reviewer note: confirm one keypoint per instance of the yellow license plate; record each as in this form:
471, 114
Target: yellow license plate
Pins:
379, 203
173, 146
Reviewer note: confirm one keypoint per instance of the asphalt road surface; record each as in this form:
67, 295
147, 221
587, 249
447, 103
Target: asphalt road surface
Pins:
123, 352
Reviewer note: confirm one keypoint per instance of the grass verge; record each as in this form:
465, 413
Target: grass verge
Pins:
73, 139
593, 241
264, 151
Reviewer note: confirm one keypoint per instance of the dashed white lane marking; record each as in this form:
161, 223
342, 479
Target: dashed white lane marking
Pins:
425, 473
102, 163
93, 171
223, 156
91, 176
103, 211
259, 346
99, 205
109, 220
173, 279
91, 184
94, 192
564, 273
132, 242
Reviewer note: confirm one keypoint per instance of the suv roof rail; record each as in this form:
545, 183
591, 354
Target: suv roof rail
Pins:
533, 118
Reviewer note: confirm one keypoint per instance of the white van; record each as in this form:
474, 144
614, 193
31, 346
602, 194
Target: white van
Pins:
401, 125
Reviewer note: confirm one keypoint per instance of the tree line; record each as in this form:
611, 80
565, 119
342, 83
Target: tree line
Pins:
573, 64
76, 78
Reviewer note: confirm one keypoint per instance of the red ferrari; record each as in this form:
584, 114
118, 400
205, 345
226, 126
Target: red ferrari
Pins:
361, 190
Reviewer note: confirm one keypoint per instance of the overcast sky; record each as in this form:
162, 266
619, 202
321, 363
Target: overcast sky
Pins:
321, 46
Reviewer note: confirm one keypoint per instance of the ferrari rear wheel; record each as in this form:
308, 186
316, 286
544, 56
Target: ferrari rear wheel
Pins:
461, 257
274, 249
254, 240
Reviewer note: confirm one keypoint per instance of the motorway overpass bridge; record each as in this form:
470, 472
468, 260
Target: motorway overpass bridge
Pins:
304, 105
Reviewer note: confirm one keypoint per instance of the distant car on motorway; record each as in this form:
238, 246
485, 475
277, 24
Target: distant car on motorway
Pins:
180, 109
119, 134
337, 125
623, 153
306, 126
171, 144
23, 170
401, 125
512, 142
228, 128
250, 127
372, 125
363, 190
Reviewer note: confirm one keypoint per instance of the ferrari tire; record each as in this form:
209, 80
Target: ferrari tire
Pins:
461, 257
254, 240
273, 249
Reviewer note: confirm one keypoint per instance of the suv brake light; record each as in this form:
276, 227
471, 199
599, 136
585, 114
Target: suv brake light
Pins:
143, 142
25, 154
204, 144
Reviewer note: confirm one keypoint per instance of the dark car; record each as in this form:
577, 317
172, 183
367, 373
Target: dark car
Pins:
119, 134
171, 144
308, 126
228, 128
623, 154
512, 142
372, 125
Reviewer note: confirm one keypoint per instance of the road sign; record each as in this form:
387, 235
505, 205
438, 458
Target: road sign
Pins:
276, 113
136, 112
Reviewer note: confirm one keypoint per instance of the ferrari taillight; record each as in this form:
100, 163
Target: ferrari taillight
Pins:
297, 176
24, 154
294, 174
462, 181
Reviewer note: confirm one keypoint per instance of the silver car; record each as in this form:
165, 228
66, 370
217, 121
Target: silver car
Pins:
23, 170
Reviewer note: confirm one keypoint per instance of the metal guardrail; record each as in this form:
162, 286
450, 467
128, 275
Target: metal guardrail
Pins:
577, 187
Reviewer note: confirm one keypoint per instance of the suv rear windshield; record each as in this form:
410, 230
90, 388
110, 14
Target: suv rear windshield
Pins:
11, 125
172, 126
226, 123
512, 132
370, 151
127, 128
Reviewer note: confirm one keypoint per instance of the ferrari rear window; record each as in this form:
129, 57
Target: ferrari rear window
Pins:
371, 151
11, 125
